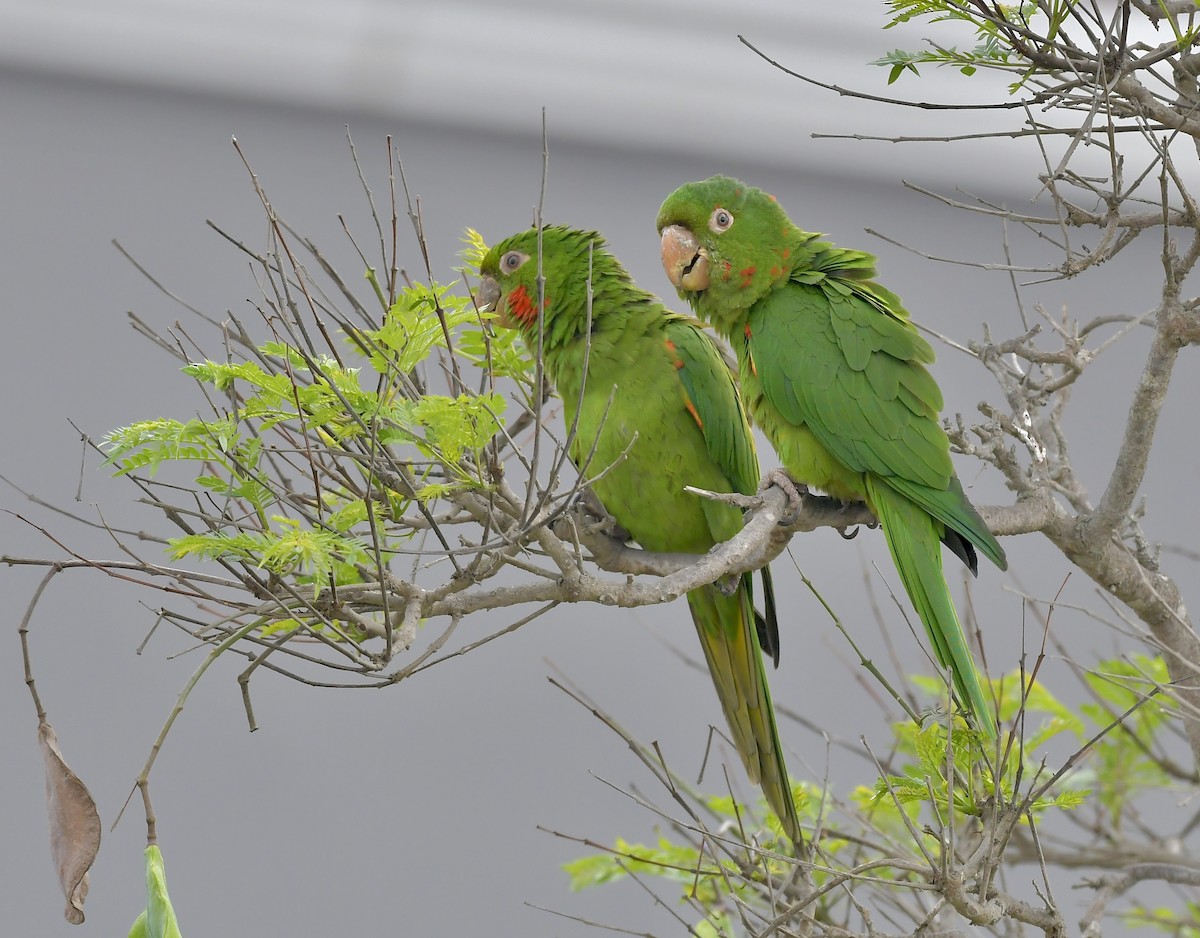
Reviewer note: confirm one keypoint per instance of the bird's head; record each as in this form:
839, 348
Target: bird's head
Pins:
564, 257
724, 244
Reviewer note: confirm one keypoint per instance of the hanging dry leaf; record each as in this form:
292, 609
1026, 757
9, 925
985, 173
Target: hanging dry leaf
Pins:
74, 825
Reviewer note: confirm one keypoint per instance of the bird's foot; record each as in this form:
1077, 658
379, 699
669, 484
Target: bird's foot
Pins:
728, 585
592, 516
794, 490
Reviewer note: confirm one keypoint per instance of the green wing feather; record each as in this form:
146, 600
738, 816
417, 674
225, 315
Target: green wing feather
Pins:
833, 358
837, 358
708, 382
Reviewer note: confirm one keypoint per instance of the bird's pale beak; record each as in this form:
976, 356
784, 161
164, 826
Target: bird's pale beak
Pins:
487, 295
685, 262
489, 300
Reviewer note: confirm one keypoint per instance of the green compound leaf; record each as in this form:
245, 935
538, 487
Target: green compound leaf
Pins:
458, 426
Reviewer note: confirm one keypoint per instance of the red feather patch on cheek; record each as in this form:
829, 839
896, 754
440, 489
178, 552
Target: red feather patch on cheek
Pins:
522, 307
747, 273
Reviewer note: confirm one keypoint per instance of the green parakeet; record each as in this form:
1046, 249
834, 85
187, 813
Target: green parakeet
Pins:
835, 374
657, 409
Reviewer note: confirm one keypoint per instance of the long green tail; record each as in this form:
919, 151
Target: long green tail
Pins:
727, 633
914, 539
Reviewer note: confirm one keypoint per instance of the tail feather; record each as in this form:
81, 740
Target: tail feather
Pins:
767, 624
963, 549
913, 538
951, 507
728, 635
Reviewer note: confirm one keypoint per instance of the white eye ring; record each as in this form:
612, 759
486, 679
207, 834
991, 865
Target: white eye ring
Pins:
512, 260
721, 220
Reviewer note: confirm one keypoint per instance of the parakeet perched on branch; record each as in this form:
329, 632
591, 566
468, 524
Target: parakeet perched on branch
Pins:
656, 408
835, 374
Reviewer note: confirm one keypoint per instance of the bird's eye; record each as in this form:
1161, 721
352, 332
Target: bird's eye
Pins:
512, 260
720, 220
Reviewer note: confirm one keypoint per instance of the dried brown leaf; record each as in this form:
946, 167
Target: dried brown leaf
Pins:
74, 824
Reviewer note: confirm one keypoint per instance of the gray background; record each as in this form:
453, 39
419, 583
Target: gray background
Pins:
416, 810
